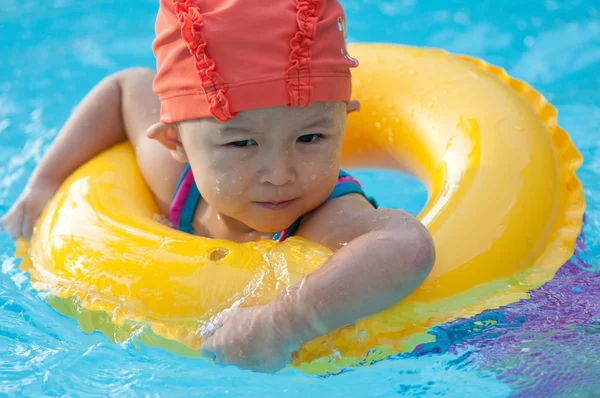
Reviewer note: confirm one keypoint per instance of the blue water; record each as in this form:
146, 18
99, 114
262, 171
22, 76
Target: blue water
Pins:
53, 51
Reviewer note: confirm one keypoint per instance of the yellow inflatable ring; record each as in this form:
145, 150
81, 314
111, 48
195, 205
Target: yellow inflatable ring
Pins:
504, 209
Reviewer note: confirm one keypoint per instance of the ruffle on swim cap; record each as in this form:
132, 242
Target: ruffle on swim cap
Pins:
220, 57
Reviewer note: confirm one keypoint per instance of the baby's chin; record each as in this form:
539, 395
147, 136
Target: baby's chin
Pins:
272, 223
270, 227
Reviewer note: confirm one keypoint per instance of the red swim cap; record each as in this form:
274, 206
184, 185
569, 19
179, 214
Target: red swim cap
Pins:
220, 57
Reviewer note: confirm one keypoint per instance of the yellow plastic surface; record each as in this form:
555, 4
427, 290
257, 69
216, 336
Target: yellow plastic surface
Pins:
504, 209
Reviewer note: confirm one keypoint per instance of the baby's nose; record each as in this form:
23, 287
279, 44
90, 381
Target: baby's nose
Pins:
278, 170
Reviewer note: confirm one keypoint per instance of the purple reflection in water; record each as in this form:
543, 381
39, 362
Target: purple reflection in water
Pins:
543, 346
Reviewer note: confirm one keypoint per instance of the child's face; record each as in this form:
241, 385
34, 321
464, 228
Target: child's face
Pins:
269, 166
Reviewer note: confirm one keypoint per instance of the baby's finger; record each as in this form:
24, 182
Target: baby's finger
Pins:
11, 222
26, 227
31, 215
208, 351
215, 323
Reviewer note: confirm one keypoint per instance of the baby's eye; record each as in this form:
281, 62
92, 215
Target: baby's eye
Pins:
309, 138
242, 143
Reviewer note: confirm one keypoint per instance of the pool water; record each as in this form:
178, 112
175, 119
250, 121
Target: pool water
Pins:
54, 51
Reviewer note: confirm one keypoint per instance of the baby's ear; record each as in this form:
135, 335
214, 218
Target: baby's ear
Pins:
168, 136
352, 106
164, 133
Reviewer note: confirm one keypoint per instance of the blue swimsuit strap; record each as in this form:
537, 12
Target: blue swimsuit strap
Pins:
341, 188
193, 199
191, 203
349, 186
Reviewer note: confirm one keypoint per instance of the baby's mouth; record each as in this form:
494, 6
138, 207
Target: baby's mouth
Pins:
276, 205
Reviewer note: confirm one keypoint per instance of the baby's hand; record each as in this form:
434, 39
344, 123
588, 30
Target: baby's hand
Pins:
249, 339
22, 216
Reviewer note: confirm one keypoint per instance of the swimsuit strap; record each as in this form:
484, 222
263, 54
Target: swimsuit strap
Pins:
185, 201
187, 197
346, 184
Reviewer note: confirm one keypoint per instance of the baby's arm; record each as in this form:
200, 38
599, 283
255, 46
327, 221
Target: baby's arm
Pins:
382, 256
105, 117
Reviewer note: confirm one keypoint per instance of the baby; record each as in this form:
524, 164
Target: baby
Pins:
246, 115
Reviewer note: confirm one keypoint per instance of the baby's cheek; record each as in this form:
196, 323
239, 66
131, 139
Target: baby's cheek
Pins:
230, 186
226, 172
320, 184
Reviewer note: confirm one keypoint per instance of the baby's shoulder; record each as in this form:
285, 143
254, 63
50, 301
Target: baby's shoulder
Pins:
339, 221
